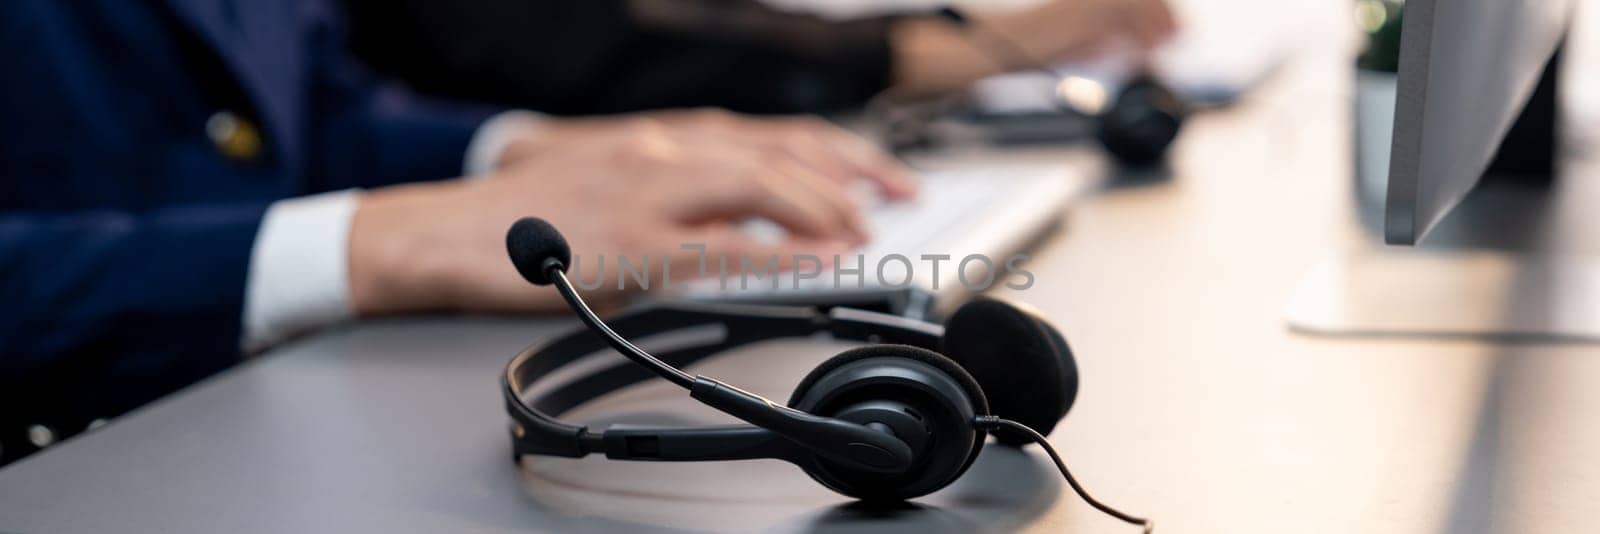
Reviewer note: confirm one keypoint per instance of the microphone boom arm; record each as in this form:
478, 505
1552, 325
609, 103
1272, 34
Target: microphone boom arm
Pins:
557, 273
833, 439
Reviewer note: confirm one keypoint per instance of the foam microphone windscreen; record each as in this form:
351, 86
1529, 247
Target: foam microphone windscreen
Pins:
531, 242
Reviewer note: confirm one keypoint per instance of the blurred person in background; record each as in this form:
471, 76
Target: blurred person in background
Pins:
607, 56
185, 181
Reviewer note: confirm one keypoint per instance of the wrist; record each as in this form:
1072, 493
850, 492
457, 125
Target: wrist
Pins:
504, 139
932, 56
550, 135
388, 264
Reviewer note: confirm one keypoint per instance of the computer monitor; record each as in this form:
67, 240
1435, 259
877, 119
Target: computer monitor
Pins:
1468, 69
1504, 245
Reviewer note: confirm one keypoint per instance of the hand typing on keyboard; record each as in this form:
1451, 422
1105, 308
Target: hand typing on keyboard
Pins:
956, 214
906, 225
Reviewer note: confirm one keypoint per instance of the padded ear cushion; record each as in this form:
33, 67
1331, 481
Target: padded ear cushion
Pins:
980, 403
1022, 364
888, 372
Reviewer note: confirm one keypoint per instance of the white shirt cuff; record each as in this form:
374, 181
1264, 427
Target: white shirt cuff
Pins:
297, 280
483, 151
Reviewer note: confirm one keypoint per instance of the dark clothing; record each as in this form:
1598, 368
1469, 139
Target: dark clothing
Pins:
607, 56
142, 142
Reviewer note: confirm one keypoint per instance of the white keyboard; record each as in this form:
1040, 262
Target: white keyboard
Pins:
938, 210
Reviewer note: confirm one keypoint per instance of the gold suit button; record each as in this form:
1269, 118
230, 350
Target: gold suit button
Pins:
234, 136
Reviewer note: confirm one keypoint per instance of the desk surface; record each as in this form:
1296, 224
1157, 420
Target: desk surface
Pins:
1198, 407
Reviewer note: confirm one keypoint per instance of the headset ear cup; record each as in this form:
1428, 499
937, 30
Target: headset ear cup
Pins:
1142, 122
1021, 363
937, 391
969, 385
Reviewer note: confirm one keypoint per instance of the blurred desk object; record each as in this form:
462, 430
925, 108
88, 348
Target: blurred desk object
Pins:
1198, 407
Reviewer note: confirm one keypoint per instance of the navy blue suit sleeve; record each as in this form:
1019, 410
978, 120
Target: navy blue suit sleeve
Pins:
106, 310
371, 131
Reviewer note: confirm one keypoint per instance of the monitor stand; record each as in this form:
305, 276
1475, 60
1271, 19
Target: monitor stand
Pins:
1461, 294
1518, 259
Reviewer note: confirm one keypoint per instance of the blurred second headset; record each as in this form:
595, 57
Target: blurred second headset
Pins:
1134, 117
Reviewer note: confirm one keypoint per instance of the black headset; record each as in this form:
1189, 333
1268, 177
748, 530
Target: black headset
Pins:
895, 419
1136, 125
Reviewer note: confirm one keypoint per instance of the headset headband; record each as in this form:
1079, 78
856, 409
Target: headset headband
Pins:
538, 431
